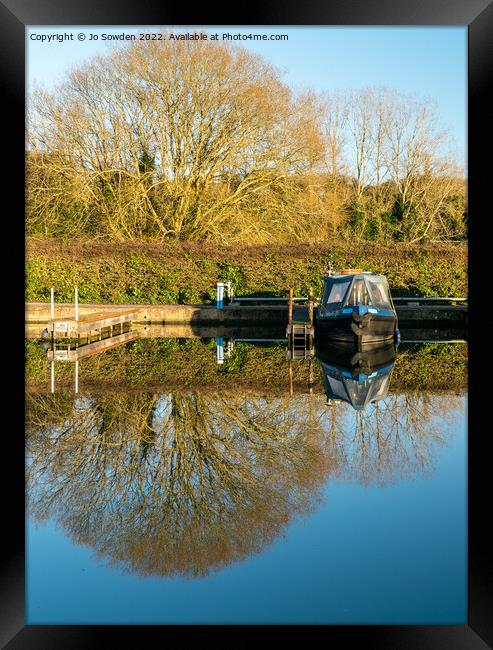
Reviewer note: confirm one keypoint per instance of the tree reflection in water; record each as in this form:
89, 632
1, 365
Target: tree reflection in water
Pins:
188, 483
392, 439
176, 483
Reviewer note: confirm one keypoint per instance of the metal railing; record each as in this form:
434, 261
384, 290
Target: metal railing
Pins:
419, 299
225, 295
267, 299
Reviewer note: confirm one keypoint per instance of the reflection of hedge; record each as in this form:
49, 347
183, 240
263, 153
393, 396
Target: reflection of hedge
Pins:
187, 273
175, 364
432, 366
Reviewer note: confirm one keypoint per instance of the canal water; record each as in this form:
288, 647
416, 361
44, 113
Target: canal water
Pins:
216, 481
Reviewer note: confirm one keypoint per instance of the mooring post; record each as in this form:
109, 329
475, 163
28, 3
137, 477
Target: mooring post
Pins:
290, 370
310, 305
76, 376
290, 306
220, 295
52, 311
76, 303
310, 376
220, 349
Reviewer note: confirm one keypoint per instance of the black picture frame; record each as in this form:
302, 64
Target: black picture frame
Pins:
478, 16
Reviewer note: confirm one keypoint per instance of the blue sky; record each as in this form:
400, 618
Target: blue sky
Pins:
428, 61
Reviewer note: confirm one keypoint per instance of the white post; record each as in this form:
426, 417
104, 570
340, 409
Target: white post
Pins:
53, 375
52, 303
76, 303
76, 376
219, 350
220, 295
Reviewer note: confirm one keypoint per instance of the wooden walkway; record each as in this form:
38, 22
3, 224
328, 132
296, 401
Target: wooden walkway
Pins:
111, 330
89, 349
73, 328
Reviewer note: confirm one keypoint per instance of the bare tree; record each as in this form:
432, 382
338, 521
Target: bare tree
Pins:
173, 140
335, 109
196, 140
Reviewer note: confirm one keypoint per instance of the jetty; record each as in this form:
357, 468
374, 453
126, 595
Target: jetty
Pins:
77, 352
94, 324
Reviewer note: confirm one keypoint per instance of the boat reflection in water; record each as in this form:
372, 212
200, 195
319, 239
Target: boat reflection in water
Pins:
358, 378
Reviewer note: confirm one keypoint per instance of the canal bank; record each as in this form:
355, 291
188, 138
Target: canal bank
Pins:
38, 314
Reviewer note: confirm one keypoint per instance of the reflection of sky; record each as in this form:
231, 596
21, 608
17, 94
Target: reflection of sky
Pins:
392, 554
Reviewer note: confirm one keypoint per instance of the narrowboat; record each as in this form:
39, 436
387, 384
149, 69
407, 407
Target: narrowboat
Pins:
356, 306
358, 378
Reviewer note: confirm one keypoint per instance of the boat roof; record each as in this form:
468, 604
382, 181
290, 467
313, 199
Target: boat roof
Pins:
338, 276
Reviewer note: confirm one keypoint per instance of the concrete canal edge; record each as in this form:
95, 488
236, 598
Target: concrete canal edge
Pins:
38, 314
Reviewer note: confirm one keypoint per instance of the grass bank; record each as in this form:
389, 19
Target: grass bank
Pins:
187, 273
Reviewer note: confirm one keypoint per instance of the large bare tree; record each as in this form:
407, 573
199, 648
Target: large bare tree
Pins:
172, 140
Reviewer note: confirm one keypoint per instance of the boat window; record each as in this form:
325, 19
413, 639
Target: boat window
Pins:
358, 392
336, 292
379, 293
380, 388
358, 294
337, 388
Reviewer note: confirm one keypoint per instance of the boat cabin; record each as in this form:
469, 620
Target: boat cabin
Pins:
349, 291
359, 390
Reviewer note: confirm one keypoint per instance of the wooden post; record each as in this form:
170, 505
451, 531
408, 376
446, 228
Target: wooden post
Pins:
53, 374
290, 369
76, 376
76, 303
290, 306
310, 305
52, 303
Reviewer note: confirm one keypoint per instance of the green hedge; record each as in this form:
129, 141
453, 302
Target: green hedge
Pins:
187, 273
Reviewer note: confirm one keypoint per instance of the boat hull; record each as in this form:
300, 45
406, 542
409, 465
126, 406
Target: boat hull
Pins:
343, 356
373, 329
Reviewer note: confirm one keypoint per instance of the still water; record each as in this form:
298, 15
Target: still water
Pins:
171, 489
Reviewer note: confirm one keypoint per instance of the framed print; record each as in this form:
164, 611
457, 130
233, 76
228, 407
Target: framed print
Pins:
252, 386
